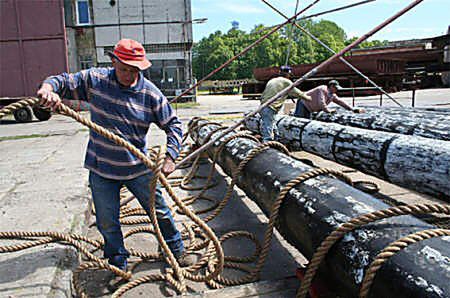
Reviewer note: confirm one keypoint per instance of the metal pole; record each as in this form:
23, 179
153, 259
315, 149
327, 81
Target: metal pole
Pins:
332, 51
248, 48
353, 94
381, 99
286, 91
413, 100
278, 27
332, 10
288, 53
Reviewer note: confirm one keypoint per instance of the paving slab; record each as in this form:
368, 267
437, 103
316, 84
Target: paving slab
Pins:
240, 214
43, 187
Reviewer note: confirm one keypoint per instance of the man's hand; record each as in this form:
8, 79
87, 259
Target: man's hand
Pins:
49, 98
359, 110
331, 111
168, 166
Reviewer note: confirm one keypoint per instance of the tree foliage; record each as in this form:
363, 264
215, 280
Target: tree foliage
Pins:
212, 51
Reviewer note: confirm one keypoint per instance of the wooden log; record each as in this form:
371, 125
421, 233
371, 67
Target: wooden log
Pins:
417, 163
435, 125
445, 111
313, 209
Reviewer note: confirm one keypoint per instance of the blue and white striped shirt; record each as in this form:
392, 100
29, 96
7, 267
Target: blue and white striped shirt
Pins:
127, 112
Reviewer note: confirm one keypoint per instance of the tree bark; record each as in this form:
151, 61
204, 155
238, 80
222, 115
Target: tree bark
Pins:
417, 163
313, 209
429, 124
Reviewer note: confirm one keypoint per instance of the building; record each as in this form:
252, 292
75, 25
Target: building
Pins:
164, 27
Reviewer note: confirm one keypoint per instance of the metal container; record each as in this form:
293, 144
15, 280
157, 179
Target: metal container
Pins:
32, 44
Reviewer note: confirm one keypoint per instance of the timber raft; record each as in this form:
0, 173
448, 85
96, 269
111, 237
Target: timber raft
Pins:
313, 209
418, 163
429, 123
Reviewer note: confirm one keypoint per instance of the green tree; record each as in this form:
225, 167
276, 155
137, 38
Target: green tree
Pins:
367, 44
212, 51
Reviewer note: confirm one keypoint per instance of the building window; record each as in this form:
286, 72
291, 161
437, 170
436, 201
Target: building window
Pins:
107, 49
167, 47
86, 62
83, 12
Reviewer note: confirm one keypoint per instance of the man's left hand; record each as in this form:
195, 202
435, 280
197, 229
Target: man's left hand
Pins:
168, 167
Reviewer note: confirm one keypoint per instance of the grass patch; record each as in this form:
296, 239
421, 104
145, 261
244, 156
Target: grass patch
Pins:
185, 105
23, 137
203, 92
225, 117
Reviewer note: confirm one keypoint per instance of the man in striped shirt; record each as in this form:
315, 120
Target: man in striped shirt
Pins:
124, 102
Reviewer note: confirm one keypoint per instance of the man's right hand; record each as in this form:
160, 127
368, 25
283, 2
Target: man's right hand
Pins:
49, 98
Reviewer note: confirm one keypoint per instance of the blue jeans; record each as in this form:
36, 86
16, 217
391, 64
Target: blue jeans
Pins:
301, 110
106, 195
266, 124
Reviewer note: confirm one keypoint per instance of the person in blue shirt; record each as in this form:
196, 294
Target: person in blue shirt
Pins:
124, 102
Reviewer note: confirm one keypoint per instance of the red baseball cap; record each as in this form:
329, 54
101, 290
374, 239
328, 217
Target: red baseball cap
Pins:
130, 52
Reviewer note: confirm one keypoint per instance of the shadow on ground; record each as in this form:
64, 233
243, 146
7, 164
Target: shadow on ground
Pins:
239, 214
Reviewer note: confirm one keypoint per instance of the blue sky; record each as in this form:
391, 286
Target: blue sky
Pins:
430, 18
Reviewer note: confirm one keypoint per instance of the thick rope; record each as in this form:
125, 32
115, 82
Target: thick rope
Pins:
355, 223
213, 258
11, 108
391, 250
180, 285
253, 273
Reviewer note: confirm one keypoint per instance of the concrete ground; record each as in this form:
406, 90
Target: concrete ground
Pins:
43, 187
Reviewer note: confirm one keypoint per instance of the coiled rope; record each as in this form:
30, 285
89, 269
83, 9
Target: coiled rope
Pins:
213, 259
352, 224
357, 222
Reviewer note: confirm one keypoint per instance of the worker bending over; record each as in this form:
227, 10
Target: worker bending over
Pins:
321, 97
268, 113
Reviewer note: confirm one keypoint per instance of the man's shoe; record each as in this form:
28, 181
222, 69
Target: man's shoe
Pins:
119, 261
185, 260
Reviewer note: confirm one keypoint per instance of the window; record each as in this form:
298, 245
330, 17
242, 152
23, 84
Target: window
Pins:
107, 49
86, 62
165, 48
83, 12
167, 74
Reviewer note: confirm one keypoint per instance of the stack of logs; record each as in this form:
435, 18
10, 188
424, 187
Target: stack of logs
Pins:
313, 209
409, 147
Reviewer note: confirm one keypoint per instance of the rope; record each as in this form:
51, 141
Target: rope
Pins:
392, 249
366, 186
177, 278
9, 109
213, 260
254, 273
357, 222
